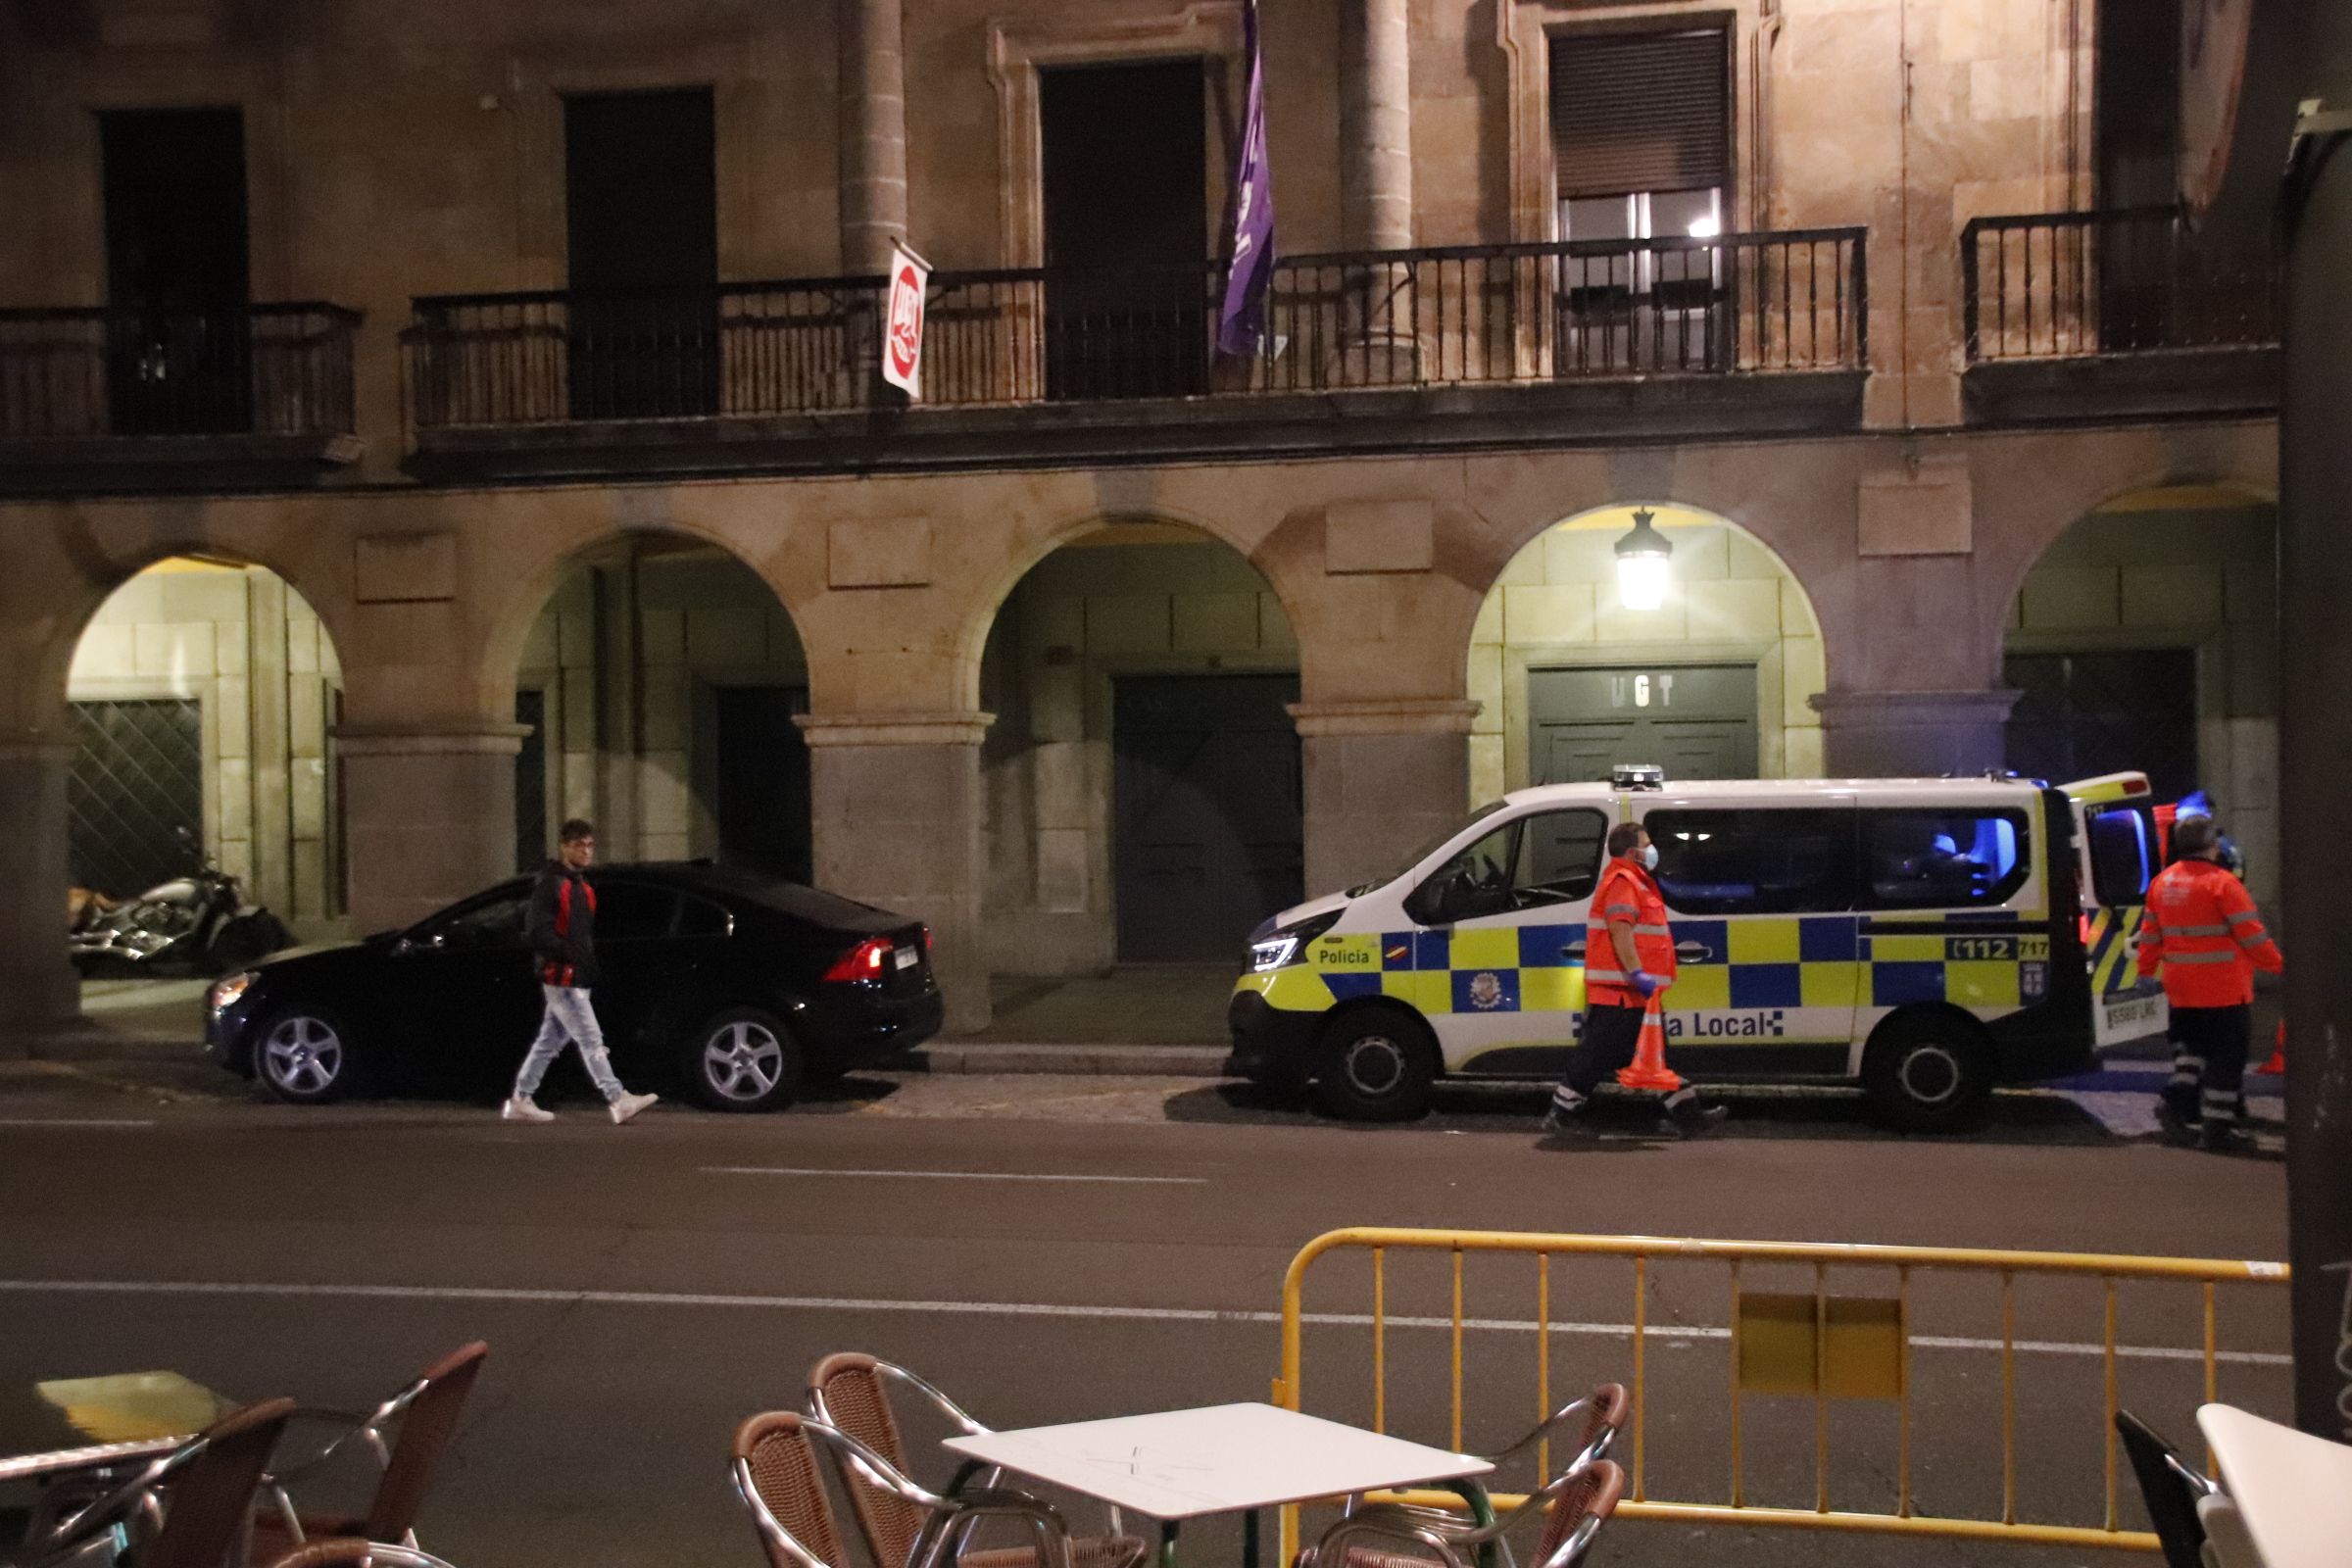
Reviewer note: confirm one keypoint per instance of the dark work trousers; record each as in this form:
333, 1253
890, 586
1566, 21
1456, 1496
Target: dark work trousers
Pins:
1606, 1043
2210, 1046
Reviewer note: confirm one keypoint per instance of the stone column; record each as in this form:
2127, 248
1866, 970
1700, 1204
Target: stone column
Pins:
1912, 734
896, 812
873, 132
1376, 123
38, 995
1382, 776
428, 814
1376, 154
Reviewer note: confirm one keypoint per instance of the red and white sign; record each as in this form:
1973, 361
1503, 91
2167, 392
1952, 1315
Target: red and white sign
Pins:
902, 337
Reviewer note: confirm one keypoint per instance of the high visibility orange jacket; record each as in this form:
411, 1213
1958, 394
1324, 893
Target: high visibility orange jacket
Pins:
1627, 892
2203, 929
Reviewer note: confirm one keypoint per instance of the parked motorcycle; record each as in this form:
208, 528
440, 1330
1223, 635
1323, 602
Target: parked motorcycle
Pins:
197, 924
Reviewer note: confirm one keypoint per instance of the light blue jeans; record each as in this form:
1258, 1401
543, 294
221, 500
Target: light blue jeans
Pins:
569, 1020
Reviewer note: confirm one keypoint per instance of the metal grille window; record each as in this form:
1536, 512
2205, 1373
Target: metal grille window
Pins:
137, 780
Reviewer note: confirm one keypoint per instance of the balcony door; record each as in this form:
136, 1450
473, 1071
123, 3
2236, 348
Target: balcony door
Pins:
641, 193
1126, 211
177, 338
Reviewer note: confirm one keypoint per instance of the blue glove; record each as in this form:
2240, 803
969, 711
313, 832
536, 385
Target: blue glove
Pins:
1649, 985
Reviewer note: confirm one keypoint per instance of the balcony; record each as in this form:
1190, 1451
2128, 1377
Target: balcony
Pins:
1395, 350
130, 399
2123, 314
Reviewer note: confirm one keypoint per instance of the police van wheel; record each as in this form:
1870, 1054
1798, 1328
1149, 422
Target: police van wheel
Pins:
1928, 1073
1375, 1066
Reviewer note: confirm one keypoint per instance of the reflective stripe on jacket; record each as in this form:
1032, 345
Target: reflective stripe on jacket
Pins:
2202, 927
1627, 892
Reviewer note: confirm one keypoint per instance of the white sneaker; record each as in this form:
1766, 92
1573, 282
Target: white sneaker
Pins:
628, 1106
521, 1107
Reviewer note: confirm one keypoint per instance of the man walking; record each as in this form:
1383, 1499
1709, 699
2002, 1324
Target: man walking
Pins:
2203, 931
1628, 959
562, 934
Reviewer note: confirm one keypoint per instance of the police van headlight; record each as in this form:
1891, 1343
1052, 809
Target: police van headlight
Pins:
1287, 944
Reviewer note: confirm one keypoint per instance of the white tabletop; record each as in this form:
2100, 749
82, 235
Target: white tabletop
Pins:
2294, 1490
1225, 1458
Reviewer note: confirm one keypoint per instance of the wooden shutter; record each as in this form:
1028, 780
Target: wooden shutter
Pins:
1641, 112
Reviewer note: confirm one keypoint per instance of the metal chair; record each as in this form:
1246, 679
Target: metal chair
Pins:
422, 1418
1596, 1419
851, 1393
777, 1474
2172, 1489
1385, 1535
196, 1501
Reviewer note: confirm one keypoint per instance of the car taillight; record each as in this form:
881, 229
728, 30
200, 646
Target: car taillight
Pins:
864, 962
926, 942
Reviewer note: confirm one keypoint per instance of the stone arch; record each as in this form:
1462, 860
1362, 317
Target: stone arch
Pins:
642, 667
986, 599
1734, 612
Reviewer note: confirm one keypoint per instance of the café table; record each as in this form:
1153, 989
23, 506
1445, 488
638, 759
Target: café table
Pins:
2292, 1490
69, 1425
1180, 1465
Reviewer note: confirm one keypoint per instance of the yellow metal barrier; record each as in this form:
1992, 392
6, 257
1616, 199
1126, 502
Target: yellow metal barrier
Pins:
1817, 1345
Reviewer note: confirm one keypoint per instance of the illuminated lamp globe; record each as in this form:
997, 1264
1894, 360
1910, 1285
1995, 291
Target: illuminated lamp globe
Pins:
1644, 564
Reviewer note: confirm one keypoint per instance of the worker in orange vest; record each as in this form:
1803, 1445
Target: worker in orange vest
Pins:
2203, 932
1628, 959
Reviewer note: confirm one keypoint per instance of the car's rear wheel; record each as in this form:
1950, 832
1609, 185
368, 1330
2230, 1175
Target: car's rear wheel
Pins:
744, 1060
306, 1057
1929, 1072
1376, 1064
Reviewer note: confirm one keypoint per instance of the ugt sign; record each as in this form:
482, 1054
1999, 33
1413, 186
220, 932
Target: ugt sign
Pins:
902, 333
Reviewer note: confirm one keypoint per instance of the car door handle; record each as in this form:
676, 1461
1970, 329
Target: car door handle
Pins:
1694, 952
1574, 950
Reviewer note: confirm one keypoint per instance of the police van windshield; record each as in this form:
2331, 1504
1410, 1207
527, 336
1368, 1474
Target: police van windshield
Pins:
1426, 849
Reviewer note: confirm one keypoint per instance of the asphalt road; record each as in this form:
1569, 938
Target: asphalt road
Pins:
1052, 1249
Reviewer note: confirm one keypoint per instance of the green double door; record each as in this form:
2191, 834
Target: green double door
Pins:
1694, 720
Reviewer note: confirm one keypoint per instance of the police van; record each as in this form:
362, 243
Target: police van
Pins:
1927, 938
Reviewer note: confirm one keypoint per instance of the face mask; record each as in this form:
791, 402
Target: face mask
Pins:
1649, 857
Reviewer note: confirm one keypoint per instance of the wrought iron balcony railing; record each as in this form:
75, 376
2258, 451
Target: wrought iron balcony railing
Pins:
1492, 314
76, 372
2046, 285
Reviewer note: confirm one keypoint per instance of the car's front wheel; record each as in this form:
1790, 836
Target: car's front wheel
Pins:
744, 1058
1376, 1064
306, 1057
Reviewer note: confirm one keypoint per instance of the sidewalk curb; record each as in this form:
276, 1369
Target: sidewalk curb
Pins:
1094, 1060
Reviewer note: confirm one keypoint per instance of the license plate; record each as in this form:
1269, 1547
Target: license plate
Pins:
907, 958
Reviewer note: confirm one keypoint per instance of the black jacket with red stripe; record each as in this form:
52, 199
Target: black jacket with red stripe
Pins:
563, 926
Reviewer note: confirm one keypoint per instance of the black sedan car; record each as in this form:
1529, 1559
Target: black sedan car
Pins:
731, 986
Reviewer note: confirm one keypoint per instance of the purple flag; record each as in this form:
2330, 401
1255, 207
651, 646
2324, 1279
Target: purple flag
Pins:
1249, 248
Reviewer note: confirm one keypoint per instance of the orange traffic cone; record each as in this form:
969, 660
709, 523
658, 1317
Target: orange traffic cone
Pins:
1649, 1070
2277, 1062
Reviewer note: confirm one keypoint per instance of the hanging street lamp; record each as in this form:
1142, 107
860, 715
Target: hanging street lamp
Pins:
1644, 564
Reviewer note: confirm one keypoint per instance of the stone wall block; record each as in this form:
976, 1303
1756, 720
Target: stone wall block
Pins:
2173, 596
878, 553
1378, 536
1921, 510
1215, 623
1128, 623
2072, 598
388, 569
726, 637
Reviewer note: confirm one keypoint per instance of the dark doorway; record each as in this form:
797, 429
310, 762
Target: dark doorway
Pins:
530, 781
2135, 106
2078, 716
178, 340
641, 187
1126, 197
135, 786
761, 779
1694, 720
1208, 834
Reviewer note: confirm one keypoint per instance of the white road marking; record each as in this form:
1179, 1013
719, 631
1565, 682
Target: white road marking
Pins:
1047, 1309
953, 1175
73, 1121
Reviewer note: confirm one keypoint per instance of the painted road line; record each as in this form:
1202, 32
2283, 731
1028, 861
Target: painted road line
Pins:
1668, 1333
73, 1121
953, 1175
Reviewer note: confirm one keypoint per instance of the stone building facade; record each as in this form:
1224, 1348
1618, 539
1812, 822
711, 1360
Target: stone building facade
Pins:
1888, 375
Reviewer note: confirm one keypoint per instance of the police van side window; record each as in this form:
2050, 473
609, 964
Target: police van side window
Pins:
2123, 855
1549, 858
1755, 862
1918, 857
